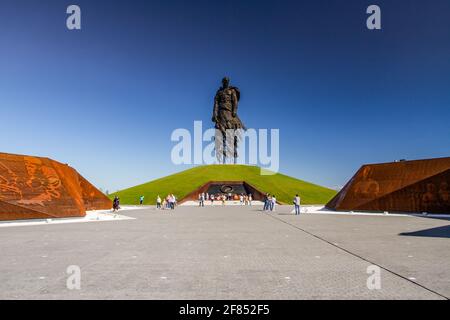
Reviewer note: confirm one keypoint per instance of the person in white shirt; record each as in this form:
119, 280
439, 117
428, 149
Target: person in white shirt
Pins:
297, 204
172, 201
273, 203
202, 200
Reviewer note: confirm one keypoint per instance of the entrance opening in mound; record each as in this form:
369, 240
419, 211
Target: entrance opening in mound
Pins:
231, 189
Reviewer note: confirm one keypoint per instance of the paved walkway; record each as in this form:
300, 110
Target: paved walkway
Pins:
229, 253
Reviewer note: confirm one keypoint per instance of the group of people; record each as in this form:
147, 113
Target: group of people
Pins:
219, 197
168, 202
202, 197
270, 202
243, 198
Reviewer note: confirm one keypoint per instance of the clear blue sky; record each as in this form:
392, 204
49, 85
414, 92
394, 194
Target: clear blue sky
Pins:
106, 99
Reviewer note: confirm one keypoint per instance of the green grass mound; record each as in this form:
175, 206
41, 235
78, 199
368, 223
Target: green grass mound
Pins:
183, 183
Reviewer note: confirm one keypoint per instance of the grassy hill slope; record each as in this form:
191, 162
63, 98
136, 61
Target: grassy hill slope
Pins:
182, 183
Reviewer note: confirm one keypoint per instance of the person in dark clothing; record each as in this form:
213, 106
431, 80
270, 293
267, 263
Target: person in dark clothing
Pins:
116, 204
266, 202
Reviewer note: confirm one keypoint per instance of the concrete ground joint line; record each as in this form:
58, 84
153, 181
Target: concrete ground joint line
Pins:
357, 256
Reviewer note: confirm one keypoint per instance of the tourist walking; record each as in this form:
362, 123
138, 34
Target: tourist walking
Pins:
297, 204
168, 201
269, 203
266, 202
172, 201
116, 204
141, 200
201, 200
158, 202
273, 203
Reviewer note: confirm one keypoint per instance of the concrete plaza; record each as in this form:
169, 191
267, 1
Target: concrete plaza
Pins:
229, 252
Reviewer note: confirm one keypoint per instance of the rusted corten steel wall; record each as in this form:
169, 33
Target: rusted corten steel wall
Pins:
405, 186
36, 188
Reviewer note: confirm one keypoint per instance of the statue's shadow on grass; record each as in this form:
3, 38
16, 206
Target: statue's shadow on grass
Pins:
438, 232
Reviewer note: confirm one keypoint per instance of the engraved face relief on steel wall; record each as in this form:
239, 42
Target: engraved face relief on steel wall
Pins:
41, 182
9, 183
34, 187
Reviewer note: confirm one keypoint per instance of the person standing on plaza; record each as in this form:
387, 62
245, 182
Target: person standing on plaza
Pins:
158, 202
168, 201
141, 200
250, 199
116, 204
273, 203
173, 201
297, 204
265, 202
202, 200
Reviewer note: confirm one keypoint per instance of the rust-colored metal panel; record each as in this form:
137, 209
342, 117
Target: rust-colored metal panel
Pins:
36, 188
405, 186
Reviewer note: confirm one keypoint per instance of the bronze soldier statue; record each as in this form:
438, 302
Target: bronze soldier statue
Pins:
225, 117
